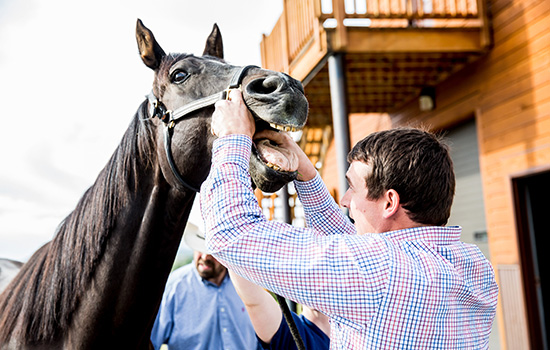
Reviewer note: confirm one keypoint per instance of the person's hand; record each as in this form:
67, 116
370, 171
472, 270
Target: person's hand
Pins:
290, 149
231, 116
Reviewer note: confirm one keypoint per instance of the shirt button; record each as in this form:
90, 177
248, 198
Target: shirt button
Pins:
225, 329
222, 309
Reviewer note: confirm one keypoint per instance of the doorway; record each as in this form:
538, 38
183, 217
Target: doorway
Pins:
532, 202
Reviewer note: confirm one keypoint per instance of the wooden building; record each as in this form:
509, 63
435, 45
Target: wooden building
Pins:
476, 70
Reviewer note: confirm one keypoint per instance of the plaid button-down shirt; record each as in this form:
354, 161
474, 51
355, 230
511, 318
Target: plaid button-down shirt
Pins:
418, 288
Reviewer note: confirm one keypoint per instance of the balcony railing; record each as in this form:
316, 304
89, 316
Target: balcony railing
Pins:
306, 23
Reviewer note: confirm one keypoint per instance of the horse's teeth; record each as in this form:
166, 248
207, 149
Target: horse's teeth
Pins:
273, 166
283, 128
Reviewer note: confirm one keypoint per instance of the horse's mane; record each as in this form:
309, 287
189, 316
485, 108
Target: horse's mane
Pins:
39, 302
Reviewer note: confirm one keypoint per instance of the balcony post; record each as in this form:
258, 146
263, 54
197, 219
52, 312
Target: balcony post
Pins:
339, 116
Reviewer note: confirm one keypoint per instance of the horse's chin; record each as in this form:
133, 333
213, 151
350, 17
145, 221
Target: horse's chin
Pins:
266, 178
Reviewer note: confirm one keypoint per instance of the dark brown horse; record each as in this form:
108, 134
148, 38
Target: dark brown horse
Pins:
98, 283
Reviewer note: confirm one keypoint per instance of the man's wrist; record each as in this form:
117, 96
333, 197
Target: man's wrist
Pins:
306, 170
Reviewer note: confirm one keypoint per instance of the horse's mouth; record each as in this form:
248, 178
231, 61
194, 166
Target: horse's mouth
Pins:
269, 152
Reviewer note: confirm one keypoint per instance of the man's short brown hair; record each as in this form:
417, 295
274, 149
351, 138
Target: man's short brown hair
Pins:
416, 164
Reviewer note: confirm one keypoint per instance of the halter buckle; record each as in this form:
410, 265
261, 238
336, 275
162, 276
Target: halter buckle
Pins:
228, 90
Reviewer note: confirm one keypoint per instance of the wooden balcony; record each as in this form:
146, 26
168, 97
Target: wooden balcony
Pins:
391, 49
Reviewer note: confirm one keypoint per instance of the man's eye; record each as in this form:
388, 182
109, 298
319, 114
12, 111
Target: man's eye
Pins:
179, 77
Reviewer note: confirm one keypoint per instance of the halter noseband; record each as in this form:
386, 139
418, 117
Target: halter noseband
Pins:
170, 118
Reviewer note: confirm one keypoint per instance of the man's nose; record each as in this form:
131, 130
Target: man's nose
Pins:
344, 202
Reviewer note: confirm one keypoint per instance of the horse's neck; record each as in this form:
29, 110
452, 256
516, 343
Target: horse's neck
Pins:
99, 282
129, 280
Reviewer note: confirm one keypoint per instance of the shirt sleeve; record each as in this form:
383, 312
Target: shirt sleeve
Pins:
297, 263
164, 323
320, 210
311, 335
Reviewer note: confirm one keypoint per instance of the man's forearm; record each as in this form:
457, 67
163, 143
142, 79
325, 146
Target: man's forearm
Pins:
320, 210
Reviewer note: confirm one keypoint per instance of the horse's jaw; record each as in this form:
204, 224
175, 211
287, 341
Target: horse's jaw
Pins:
267, 178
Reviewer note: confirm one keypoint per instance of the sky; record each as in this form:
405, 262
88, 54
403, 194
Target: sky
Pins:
71, 80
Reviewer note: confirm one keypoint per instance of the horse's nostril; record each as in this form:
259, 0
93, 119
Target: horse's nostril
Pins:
265, 86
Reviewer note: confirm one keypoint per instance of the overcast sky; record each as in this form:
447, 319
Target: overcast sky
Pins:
70, 81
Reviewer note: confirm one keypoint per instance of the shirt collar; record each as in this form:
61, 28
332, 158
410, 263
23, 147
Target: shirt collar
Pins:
438, 235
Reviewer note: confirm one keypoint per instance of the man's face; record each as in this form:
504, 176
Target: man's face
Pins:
209, 268
366, 213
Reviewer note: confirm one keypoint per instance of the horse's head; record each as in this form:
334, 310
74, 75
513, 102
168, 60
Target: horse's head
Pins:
276, 101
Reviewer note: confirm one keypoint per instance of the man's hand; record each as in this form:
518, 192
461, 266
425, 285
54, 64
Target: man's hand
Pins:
232, 116
306, 170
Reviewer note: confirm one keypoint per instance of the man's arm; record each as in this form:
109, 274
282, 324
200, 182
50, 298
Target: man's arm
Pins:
164, 322
262, 308
294, 262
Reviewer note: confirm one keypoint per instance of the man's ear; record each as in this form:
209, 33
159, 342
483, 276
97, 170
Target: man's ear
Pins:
391, 203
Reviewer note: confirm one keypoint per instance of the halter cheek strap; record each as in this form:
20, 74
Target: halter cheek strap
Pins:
171, 118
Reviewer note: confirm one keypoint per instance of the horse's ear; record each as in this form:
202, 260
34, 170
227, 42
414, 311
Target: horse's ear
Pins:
150, 51
214, 43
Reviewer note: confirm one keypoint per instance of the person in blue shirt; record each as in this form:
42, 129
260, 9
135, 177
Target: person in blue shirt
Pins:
200, 308
270, 326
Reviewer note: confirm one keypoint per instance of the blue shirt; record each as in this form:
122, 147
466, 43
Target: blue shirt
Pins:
417, 288
197, 314
312, 336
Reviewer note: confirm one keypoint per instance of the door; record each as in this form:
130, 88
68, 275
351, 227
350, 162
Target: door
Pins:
531, 195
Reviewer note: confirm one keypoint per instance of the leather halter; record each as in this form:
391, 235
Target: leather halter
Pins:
170, 118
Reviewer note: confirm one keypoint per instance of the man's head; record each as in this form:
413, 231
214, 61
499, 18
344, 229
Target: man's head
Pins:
208, 267
409, 165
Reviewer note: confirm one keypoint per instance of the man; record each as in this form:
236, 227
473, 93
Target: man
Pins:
200, 308
271, 328
398, 279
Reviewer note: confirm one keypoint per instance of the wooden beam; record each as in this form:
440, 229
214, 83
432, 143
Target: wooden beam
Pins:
413, 40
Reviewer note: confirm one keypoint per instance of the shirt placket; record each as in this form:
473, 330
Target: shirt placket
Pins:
225, 321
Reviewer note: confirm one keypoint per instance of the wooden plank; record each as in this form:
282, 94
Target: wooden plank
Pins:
530, 131
498, 113
522, 38
309, 59
497, 6
419, 40
539, 11
518, 104
533, 67
513, 12
512, 298
493, 161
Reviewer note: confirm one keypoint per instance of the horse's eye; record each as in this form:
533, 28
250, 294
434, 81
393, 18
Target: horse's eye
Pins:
179, 77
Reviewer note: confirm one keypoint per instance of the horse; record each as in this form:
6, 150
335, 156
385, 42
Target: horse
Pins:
8, 270
98, 283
